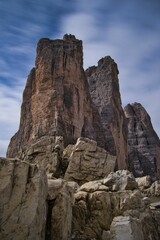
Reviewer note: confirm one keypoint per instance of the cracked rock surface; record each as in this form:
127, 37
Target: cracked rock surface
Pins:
23, 192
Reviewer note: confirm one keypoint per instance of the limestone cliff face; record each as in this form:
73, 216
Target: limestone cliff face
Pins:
23, 193
104, 90
56, 99
143, 143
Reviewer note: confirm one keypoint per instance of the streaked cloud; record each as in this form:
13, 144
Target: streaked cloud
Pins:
9, 114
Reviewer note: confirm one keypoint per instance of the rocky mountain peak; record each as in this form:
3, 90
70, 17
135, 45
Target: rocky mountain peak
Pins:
106, 61
61, 99
69, 37
143, 142
104, 89
56, 99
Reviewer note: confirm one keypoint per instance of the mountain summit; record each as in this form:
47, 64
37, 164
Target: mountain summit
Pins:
61, 99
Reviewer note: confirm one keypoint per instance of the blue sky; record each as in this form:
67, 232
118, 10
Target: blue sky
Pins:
128, 31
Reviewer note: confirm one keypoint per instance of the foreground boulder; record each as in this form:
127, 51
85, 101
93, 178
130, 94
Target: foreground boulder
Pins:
110, 209
154, 189
126, 228
88, 162
23, 192
144, 182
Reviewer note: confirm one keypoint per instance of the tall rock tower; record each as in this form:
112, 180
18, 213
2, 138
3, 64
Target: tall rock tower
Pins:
143, 143
104, 89
56, 99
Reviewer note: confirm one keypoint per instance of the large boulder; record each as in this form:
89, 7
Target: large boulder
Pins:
154, 189
46, 151
144, 182
126, 228
89, 162
23, 192
115, 181
121, 180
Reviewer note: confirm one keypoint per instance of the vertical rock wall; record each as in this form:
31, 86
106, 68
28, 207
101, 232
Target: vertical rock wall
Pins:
104, 90
56, 99
143, 143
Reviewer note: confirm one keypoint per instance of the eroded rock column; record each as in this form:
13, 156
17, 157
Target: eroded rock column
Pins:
143, 143
104, 89
56, 99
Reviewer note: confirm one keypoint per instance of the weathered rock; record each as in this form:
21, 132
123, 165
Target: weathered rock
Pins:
93, 212
133, 228
156, 186
120, 180
156, 217
104, 90
66, 156
46, 151
115, 181
103, 213
154, 189
126, 228
89, 162
23, 192
143, 143
143, 182
60, 200
106, 235
56, 99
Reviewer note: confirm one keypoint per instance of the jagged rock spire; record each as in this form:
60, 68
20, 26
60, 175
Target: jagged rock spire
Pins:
56, 99
104, 90
143, 142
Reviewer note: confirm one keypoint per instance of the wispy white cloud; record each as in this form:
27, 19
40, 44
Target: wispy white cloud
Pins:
29, 30
21, 49
82, 24
9, 114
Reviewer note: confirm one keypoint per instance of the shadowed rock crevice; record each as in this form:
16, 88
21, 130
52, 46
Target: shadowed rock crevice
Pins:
50, 204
